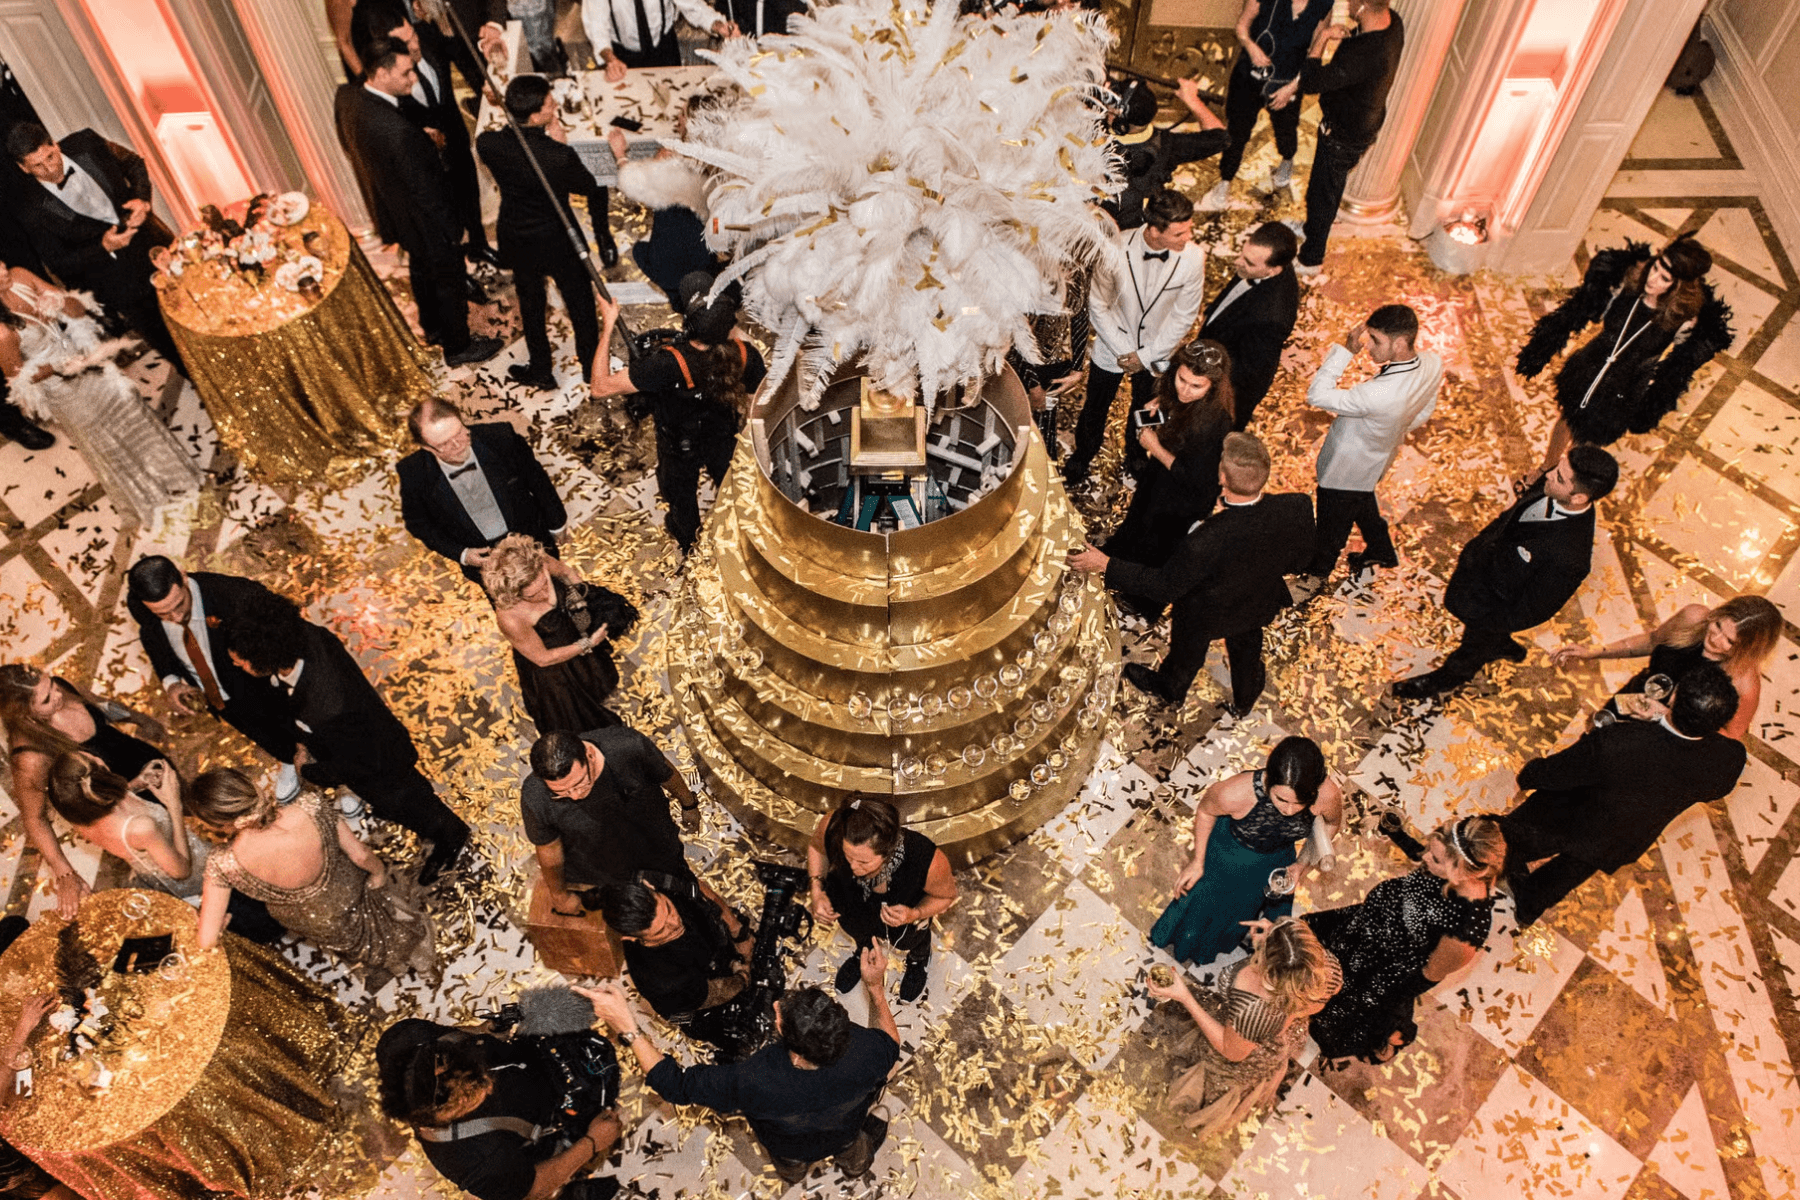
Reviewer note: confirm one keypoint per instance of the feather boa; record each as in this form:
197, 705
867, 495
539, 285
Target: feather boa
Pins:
90, 347
904, 186
659, 183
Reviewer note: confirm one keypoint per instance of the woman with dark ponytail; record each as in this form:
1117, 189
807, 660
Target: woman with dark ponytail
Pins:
879, 879
1660, 322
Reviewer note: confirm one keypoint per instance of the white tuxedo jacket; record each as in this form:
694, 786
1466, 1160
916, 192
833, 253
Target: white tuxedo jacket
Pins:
1144, 306
1373, 418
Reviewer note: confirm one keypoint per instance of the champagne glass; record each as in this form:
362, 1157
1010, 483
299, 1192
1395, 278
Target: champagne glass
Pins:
931, 706
860, 706
960, 698
1658, 688
974, 755
1019, 791
987, 687
1011, 676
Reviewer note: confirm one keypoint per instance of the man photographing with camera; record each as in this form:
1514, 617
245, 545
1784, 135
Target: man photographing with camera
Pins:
807, 1096
681, 955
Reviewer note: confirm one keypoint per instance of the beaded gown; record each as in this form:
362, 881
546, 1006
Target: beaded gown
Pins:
1206, 920
1384, 944
379, 931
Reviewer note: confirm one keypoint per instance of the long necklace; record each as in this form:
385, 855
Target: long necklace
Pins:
1620, 345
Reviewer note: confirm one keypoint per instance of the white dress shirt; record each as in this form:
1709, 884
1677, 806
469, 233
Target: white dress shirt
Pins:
609, 21
1144, 306
177, 633
1373, 417
82, 192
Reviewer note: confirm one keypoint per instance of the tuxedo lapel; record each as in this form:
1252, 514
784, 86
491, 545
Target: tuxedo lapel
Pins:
105, 172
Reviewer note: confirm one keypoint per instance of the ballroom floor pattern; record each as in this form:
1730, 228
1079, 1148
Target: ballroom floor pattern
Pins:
1638, 1045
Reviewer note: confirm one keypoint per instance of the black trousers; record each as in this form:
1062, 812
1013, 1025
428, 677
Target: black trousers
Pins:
666, 53
1244, 99
531, 269
678, 481
1187, 655
1090, 427
1333, 160
1536, 892
407, 798
868, 928
269, 728
1338, 510
440, 288
1481, 645
465, 188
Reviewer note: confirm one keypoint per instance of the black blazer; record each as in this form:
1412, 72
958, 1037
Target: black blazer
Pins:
1226, 576
1516, 574
1607, 798
407, 183
528, 228
1254, 329
70, 241
351, 733
528, 500
224, 597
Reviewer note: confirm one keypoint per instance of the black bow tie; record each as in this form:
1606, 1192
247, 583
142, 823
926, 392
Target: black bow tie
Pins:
67, 175
459, 472
1158, 255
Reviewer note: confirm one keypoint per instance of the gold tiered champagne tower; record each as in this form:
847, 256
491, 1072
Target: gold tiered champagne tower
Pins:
955, 666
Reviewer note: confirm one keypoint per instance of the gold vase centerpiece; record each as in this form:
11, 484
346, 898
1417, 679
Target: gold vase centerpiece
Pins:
953, 665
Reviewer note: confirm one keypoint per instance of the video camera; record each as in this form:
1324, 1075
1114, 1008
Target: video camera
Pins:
552, 1025
750, 1025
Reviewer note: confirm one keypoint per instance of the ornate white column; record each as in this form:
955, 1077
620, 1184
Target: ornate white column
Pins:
1373, 192
303, 79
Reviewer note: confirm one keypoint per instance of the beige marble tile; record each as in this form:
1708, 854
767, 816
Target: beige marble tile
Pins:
1699, 512
37, 483
1628, 950
1760, 435
1099, 1151
1781, 361
1759, 807
1661, 183
1732, 233
82, 545
1673, 128
1512, 985
32, 617
1527, 1142
1317, 1145
1750, 307
1686, 1155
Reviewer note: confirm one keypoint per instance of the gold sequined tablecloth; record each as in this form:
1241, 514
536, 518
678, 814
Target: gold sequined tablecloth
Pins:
290, 396
221, 1075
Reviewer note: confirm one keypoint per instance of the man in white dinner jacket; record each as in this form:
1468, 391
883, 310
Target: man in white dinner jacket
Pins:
1146, 293
1372, 420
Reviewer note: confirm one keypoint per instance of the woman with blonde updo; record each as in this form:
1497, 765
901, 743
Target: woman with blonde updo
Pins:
316, 877
560, 630
1406, 936
1228, 1062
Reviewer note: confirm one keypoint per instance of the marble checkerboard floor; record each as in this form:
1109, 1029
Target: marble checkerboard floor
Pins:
1639, 1045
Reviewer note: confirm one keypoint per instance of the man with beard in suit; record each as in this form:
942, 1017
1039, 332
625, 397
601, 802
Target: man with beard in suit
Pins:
348, 735
1254, 314
413, 204
186, 622
468, 487
1603, 802
1521, 569
89, 216
1225, 580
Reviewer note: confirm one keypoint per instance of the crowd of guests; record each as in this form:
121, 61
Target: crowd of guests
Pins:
269, 853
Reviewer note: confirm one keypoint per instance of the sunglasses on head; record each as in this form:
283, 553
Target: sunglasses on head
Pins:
1196, 354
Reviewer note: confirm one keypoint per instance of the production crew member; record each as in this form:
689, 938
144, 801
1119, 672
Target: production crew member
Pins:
679, 951
809, 1095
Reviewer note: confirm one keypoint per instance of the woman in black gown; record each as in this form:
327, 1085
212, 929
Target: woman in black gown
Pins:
560, 630
1407, 935
1660, 322
1180, 484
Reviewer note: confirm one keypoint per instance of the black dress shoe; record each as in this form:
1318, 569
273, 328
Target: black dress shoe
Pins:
1419, 687
1361, 559
609, 252
1145, 680
484, 254
522, 374
474, 291
478, 350
1517, 653
14, 425
442, 857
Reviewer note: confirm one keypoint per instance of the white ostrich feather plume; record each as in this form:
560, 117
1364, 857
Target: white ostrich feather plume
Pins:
904, 186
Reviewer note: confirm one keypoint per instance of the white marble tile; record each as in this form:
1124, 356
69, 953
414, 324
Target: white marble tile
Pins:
1673, 128
36, 483
1777, 719
1759, 806
1316, 1146
1760, 435
1628, 950
1672, 217
1686, 1155
1781, 361
32, 617
1106, 802
1731, 233
1099, 1152
1509, 989
1610, 229
1750, 307
82, 545
1700, 512
1526, 1142
372, 502
1072, 971
914, 1163
1754, 1053
1439, 768
1659, 184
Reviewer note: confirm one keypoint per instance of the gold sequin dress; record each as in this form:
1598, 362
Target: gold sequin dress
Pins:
376, 929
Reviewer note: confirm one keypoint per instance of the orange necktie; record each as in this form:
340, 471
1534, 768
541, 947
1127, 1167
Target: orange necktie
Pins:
215, 699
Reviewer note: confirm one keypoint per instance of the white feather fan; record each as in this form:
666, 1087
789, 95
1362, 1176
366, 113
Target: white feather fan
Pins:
901, 185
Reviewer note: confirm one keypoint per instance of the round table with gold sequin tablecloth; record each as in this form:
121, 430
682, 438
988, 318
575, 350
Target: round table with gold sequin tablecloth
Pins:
220, 1063
296, 379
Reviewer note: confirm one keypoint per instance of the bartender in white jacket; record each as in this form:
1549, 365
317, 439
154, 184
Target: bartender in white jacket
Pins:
1373, 419
1145, 295
641, 33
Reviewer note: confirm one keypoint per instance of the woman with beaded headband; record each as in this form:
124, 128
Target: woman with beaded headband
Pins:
1408, 935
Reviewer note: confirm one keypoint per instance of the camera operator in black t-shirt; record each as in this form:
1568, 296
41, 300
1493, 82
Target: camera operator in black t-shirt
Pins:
698, 386
807, 1096
682, 959
506, 1119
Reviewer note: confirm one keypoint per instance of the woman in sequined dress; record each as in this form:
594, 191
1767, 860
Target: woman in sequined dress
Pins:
1407, 935
317, 878
566, 674
1227, 1059
107, 810
1245, 828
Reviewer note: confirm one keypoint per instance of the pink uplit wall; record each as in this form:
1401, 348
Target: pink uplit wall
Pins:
164, 84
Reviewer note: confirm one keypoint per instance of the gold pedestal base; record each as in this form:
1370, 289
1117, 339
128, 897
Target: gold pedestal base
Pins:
958, 668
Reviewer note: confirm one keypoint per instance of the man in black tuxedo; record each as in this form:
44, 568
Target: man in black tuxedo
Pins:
411, 193
1224, 580
186, 624
432, 106
1254, 314
348, 735
469, 487
1521, 569
1603, 802
88, 213
532, 235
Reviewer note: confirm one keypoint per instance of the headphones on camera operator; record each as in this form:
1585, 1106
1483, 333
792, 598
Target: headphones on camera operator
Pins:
684, 413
